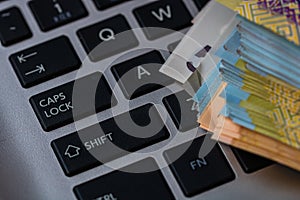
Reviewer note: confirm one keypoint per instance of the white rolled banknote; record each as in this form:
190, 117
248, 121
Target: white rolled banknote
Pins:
197, 49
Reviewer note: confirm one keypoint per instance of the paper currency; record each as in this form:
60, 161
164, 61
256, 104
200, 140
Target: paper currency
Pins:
256, 143
251, 100
279, 61
226, 131
281, 17
264, 104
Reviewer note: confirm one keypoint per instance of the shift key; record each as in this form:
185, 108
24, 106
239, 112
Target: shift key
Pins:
45, 61
56, 107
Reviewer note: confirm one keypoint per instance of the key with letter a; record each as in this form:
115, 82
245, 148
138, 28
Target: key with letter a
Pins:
141, 75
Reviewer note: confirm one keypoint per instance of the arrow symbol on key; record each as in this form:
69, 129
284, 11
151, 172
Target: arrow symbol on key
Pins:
39, 69
22, 58
5, 15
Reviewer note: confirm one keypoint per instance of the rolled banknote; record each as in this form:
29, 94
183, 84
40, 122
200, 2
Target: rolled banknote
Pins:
199, 44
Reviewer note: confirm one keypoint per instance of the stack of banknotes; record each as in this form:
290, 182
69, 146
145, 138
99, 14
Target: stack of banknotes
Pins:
251, 99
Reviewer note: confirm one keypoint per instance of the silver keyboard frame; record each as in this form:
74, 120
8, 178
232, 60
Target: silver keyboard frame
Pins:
30, 170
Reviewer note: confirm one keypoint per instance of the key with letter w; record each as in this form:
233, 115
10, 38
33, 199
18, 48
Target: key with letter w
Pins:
163, 12
167, 14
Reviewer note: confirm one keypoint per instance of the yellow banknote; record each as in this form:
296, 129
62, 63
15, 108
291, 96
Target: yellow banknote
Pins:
285, 22
233, 4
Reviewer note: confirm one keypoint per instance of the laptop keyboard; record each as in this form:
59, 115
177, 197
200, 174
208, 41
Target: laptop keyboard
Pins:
54, 107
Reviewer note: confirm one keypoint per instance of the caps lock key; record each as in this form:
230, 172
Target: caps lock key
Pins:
54, 108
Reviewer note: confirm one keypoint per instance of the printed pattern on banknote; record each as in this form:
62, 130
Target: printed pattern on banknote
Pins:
285, 24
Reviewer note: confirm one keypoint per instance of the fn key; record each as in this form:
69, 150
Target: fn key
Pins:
194, 174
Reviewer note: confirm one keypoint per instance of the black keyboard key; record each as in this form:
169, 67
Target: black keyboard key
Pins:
75, 151
201, 3
251, 162
13, 27
45, 61
123, 185
104, 4
54, 107
183, 110
141, 75
167, 14
108, 34
51, 14
194, 174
